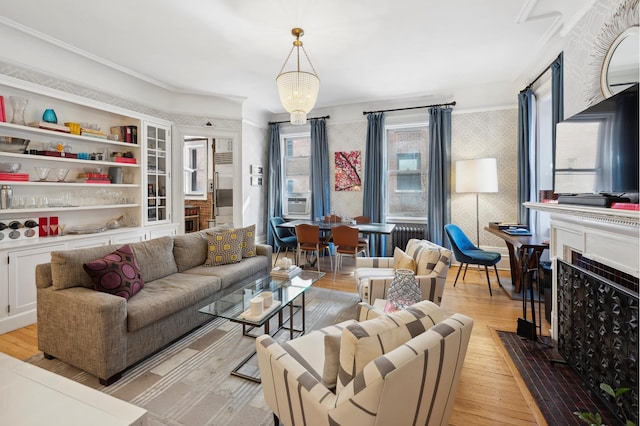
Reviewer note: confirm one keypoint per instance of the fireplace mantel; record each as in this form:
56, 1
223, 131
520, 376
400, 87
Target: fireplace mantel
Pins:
629, 218
608, 236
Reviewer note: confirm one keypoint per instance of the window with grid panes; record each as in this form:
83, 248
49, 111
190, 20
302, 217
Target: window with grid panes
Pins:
406, 161
296, 175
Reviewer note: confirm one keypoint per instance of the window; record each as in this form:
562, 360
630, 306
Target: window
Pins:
406, 175
296, 175
195, 168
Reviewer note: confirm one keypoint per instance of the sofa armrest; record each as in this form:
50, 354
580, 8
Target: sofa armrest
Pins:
282, 376
83, 327
264, 250
431, 286
374, 262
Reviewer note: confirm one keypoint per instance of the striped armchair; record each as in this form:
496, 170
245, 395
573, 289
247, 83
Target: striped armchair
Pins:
373, 275
400, 368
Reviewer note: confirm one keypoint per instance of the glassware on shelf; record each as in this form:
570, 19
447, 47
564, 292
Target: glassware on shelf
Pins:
50, 116
42, 173
18, 106
61, 174
61, 227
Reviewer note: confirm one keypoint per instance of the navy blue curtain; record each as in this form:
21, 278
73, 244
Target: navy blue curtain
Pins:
320, 182
275, 178
372, 205
439, 181
524, 131
557, 98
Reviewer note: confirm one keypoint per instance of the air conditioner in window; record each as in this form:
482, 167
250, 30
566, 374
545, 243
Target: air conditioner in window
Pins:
298, 205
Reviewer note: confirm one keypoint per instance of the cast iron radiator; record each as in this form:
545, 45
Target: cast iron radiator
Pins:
598, 334
402, 233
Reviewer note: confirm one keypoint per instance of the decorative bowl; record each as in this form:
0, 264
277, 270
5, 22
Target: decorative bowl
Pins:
10, 167
15, 145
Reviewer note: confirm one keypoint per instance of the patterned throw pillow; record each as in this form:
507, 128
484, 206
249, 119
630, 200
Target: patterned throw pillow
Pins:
224, 247
116, 273
249, 241
402, 260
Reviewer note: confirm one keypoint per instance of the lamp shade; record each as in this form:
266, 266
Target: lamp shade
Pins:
298, 92
480, 175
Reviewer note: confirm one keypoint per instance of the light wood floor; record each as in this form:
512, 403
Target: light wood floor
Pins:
489, 392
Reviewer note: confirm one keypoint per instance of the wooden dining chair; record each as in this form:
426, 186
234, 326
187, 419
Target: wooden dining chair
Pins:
363, 238
346, 241
309, 241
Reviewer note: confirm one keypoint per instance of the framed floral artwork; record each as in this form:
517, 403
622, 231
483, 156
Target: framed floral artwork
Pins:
348, 171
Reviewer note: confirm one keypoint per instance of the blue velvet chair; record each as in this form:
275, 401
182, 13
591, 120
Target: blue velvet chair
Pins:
282, 238
467, 254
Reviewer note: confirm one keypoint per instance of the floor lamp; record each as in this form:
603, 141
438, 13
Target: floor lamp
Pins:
480, 175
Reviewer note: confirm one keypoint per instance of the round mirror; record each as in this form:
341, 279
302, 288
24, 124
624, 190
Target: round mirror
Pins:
621, 66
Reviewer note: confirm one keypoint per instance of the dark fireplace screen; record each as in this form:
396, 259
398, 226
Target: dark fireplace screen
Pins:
598, 334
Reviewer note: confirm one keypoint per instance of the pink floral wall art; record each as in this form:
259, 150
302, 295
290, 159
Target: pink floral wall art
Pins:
348, 171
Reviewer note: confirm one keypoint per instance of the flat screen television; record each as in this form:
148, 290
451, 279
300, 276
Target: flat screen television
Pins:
596, 150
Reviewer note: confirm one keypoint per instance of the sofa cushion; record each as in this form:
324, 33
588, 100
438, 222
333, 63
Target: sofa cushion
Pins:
402, 260
331, 360
67, 268
166, 296
361, 343
311, 352
234, 273
190, 250
116, 273
249, 241
224, 247
155, 258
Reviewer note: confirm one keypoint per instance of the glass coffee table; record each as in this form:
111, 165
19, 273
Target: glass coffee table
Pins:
235, 307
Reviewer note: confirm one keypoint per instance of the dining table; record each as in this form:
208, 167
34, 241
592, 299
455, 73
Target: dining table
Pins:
371, 229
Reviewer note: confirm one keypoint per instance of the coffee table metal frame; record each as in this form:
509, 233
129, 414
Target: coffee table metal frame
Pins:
286, 291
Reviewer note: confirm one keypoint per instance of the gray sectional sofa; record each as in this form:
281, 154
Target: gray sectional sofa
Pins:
103, 334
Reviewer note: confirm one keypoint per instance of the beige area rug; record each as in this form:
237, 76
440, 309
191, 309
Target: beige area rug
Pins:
189, 382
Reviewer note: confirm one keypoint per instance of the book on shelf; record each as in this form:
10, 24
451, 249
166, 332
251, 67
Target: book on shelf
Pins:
626, 206
50, 126
93, 134
127, 134
125, 160
3, 116
278, 272
18, 177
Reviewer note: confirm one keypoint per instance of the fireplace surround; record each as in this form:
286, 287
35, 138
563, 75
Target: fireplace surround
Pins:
595, 255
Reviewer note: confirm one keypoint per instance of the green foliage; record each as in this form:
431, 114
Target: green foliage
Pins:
595, 419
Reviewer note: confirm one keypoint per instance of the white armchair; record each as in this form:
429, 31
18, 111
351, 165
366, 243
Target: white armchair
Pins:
373, 275
400, 368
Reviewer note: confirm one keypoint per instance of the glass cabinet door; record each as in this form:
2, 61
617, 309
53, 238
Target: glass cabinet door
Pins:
158, 149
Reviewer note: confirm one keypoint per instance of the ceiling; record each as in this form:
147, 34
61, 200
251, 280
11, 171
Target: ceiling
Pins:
362, 50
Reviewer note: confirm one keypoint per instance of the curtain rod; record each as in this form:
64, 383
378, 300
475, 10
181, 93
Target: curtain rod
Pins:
314, 118
404, 109
541, 74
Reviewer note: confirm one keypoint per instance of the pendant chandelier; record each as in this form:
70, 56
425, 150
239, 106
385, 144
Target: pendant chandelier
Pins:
298, 89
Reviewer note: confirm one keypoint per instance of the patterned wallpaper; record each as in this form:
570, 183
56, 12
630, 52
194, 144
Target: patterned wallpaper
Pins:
488, 134
474, 135
582, 58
